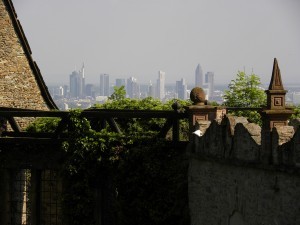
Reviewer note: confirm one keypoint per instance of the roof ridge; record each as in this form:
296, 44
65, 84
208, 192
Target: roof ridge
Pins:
26, 47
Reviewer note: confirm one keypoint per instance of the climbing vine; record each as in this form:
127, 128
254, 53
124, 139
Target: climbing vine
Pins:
90, 156
141, 179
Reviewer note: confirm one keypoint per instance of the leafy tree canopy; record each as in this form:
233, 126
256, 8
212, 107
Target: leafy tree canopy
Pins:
245, 91
139, 126
296, 112
118, 100
119, 93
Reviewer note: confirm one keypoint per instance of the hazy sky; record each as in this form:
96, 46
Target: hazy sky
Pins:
140, 37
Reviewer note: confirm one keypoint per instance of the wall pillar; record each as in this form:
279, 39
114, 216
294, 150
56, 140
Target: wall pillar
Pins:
274, 114
197, 113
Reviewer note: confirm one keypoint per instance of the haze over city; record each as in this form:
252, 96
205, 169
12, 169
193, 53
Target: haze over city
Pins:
138, 38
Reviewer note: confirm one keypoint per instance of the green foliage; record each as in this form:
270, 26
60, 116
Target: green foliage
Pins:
152, 185
119, 93
148, 103
296, 112
136, 126
144, 179
133, 166
89, 157
43, 125
214, 103
244, 91
145, 127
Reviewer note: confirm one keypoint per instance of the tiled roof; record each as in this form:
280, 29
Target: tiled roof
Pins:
35, 69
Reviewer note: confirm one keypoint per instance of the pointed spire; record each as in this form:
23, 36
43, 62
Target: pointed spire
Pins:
276, 83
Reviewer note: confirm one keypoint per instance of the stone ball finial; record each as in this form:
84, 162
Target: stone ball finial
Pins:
198, 96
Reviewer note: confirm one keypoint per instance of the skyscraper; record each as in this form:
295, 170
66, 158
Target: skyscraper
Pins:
209, 81
161, 85
151, 90
132, 88
104, 84
77, 83
82, 82
120, 82
90, 90
181, 89
198, 76
61, 91
66, 91
74, 84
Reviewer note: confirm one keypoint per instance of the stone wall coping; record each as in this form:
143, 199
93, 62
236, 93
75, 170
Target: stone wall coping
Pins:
235, 139
191, 107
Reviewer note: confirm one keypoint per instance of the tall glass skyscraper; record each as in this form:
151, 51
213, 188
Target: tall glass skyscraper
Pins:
132, 88
161, 85
181, 89
77, 84
151, 90
104, 84
198, 76
120, 82
209, 81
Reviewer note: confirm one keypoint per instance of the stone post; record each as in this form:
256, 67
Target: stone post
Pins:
201, 111
274, 114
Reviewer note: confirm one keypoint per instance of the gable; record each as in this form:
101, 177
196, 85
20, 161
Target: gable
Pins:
21, 83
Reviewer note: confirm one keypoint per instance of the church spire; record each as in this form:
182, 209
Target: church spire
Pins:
276, 82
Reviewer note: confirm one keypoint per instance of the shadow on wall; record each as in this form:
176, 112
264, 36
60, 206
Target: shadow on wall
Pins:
229, 181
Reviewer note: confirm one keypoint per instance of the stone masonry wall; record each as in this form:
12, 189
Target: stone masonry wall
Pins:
228, 182
261, 196
18, 86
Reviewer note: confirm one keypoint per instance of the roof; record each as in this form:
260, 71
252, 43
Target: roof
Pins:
24, 43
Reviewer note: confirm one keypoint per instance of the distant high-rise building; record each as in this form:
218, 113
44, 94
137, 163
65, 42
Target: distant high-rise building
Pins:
82, 81
209, 81
132, 88
161, 85
181, 89
90, 90
74, 83
61, 91
66, 91
104, 85
198, 76
77, 83
151, 90
120, 82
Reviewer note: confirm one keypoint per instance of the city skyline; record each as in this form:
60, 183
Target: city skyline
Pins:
139, 38
78, 89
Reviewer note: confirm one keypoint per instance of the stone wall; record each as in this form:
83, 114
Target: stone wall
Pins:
21, 85
230, 184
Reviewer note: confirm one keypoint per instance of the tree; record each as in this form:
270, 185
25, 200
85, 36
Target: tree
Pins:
296, 114
245, 91
144, 126
119, 93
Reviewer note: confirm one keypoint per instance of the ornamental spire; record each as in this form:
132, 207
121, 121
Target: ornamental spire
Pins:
276, 82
